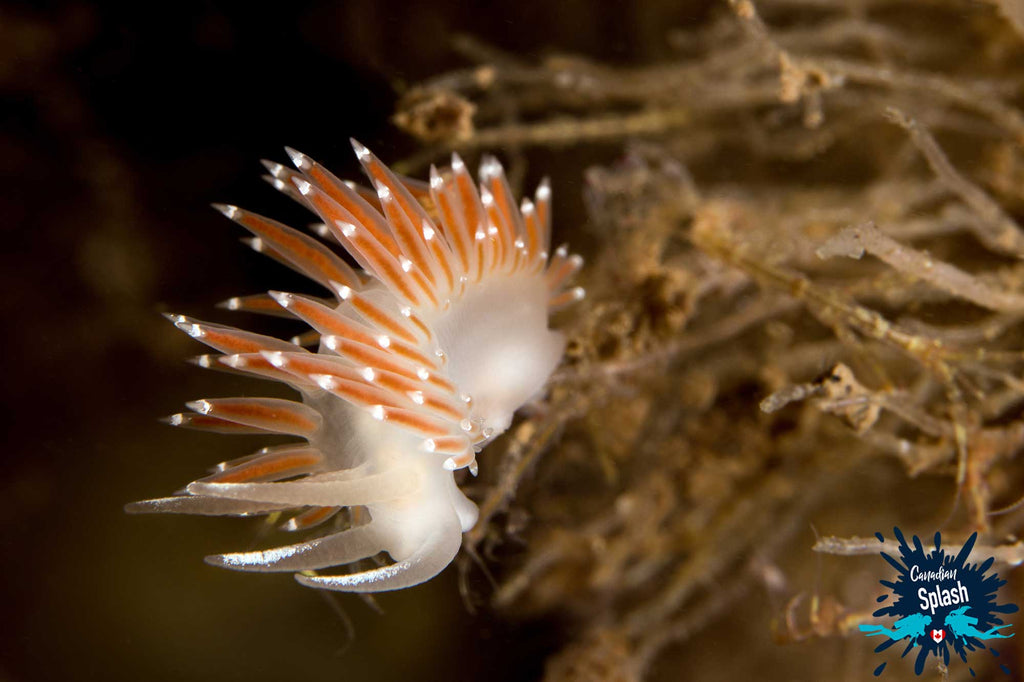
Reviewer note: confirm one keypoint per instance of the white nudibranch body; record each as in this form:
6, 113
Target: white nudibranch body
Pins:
422, 356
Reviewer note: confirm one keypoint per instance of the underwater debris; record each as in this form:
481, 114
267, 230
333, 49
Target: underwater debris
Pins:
761, 163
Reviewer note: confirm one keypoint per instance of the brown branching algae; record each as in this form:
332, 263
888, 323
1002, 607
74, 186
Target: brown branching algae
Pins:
804, 312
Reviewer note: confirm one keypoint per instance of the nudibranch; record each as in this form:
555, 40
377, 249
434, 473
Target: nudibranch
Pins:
420, 356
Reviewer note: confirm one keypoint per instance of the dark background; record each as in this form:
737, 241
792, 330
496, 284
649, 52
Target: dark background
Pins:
121, 123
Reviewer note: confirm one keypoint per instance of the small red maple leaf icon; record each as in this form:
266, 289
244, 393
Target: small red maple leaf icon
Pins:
938, 635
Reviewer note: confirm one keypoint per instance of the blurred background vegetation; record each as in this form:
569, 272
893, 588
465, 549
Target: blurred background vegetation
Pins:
741, 399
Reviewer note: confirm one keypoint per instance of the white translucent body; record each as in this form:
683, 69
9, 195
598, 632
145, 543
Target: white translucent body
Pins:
499, 348
499, 352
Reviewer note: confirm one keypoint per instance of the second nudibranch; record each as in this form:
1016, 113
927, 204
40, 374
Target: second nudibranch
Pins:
422, 356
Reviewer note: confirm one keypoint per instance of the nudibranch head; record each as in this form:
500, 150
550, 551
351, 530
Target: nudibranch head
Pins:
422, 354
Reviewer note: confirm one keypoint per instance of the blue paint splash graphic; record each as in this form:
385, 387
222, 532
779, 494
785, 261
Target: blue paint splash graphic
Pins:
940, 602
